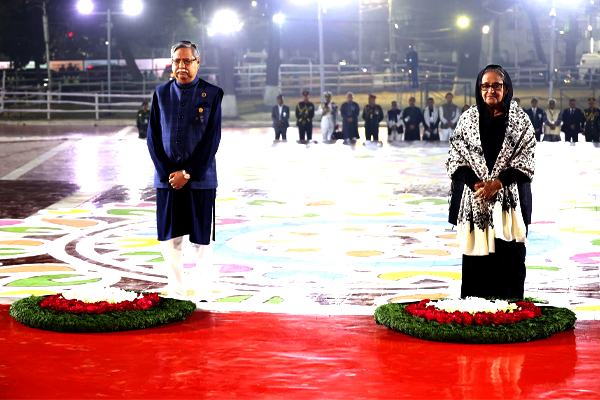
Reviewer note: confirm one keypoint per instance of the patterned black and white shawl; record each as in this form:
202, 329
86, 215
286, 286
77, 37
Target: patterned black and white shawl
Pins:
481, 221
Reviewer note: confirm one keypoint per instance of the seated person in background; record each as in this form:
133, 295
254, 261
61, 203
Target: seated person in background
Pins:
143, 117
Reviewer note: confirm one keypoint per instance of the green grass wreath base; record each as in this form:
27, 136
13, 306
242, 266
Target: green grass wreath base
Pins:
552, 320
29, 312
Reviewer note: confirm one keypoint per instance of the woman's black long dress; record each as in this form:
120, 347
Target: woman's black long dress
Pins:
500, 274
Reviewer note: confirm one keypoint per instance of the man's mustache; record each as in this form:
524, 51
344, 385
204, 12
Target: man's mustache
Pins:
183, 70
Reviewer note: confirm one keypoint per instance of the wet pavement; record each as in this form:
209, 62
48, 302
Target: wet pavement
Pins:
324, 229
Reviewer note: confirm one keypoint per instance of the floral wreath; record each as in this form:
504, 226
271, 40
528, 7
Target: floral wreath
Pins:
503, 322
97, 312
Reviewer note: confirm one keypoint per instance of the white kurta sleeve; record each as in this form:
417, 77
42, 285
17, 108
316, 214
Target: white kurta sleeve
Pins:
441, 111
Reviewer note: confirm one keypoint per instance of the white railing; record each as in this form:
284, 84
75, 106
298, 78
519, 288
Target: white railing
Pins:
53, 102
250, 79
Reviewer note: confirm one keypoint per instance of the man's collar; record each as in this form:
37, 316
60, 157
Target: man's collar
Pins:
187, 85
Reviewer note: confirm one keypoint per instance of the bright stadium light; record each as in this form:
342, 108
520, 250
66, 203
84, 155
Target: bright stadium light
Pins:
226, 22
485, 29
463, 22
85, 6
132, 7
278, 18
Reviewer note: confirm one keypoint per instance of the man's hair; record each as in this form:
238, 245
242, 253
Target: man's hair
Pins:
349, 94
534, 99
412, 98
394, 102
431, 98
570, 100
188, 45
448, 94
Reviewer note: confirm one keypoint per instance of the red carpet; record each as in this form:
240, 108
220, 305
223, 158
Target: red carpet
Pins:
278, 356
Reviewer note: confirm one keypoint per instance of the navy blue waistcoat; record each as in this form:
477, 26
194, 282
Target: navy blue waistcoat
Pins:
185, 131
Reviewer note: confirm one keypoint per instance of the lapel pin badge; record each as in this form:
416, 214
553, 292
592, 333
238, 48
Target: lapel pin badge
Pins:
201, 110
203, 94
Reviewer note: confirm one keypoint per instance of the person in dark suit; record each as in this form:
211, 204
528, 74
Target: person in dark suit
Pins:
592, 121
349, 112
536, 115
281, 117
573, 119
413, 118
412, 65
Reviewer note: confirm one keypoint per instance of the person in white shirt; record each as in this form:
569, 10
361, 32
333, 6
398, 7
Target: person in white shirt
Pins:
552, 122
431, 121
449, 114
328, 112
395, 123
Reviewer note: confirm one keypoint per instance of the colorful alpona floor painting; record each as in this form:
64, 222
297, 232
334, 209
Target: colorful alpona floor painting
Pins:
326, 229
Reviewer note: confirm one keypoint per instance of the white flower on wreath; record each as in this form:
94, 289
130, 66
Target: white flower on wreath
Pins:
473, 305
110, 295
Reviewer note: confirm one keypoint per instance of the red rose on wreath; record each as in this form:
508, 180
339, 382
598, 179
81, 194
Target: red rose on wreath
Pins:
428, 311
59, 303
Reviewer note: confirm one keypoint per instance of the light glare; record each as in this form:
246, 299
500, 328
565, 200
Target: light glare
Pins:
485, 29
278, 18
463, 22
132, 7
225, 21
85, 6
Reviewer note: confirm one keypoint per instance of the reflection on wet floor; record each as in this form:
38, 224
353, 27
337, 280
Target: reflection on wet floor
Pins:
20, 199
300, 228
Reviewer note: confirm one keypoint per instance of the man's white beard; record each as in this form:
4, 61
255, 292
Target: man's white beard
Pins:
183, 70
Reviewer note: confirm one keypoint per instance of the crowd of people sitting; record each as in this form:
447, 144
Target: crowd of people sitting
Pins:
433, 123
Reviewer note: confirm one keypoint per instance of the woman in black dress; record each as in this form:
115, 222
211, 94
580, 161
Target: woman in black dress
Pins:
491, 163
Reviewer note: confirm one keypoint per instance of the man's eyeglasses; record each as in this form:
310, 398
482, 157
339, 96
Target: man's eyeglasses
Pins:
186, 61
496, 86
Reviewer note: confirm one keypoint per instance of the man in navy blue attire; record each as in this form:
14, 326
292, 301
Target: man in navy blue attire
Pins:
536, 115
280, 114
573, 119
183, 138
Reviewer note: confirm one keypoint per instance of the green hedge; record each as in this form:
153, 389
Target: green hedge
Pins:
552, 320
29, 312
